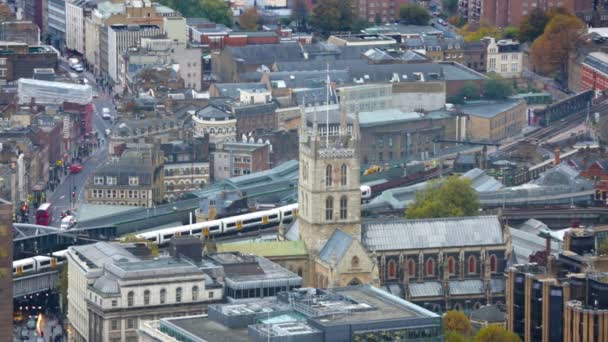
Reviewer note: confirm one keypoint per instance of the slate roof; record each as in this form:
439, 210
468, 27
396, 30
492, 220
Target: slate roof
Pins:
233, 90
466, 287
597, 61
481, 182
266, 53
432, 233
335, 247
310, 78
107, 285
489, 109
426, 289
488, 313
212, 112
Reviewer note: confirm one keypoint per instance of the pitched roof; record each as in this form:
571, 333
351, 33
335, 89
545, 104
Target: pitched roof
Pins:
489, 313
426, 289
432, 233
335, 247
266, 248
466, 287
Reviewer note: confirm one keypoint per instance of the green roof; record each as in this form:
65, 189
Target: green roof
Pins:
267, 248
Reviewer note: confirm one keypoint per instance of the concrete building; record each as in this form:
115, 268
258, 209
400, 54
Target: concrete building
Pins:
594, 72
56, 23
18, 60
564, 298
495, 121
6, 266
341, 314
136, 179
504, 57
20, 31
122, 37
216, 121
186, 167
233, 159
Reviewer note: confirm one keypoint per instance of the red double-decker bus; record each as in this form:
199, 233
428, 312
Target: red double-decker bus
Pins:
44, 215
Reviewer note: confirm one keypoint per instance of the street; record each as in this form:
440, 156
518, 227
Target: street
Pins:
61, 197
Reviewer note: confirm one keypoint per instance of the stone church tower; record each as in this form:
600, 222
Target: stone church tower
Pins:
329, 191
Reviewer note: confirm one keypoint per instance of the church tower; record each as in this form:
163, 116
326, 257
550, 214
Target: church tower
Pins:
329, 192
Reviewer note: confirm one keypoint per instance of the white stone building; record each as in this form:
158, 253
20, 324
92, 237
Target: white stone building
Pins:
74, 25
219, 124
505, 57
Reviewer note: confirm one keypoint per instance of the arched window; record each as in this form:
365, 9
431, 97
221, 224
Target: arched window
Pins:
430, 267
328, 175
343, 170
329, 208
178, 295
456, 307
163, 296
493, 263
411, 268
194, 293
300, 272
451, 266
146, 297
392, 269
130, 297
472, 265
343, 208
354, 262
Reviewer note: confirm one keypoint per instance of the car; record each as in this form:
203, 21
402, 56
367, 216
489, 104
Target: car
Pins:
75, 168
108, 132
105, 113
78, 68
31, 323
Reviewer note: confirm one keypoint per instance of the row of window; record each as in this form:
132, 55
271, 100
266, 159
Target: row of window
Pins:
131, 194
329, 175
99, 180
163, 296
430, 267
186, 171
329, 208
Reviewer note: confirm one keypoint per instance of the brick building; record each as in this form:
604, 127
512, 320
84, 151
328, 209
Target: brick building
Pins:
6, 266
386, 10
594, 72
20, 31
18, 60
495, 121
240, 158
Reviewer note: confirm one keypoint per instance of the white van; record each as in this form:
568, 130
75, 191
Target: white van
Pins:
67, 222
105, 113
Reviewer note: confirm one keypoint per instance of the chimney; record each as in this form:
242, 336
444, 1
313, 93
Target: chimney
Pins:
557, 156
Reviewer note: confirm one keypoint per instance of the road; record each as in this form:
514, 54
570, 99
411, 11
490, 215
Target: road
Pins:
60, 198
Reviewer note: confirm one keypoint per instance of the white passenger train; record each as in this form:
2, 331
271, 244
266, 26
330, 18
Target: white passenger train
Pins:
259, 219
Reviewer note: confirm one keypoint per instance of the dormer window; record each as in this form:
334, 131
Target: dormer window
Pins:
133, 181
111, 180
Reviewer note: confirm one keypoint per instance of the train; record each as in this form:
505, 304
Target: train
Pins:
256, 220
38, 263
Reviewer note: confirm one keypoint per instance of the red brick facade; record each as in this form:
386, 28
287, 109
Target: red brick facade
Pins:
592, 78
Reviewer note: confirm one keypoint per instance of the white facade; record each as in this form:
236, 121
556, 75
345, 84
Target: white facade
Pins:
254, 96
218, 130
91, 43
121, 37
175, 28
74, 25
503, 61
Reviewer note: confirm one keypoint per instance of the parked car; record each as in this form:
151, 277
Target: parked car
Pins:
105, 113
75, 168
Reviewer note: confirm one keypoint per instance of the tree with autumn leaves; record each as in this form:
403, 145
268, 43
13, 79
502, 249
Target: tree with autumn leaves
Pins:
458, 329
248, 20
549, 53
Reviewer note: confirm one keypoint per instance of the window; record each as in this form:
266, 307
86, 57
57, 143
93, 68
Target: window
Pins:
134, 180
194, 293
130, 323
343, 208
514, 67
451, 266
493, 263
354, 262
343, 170
328, 175
2, 61
411, 268
114, 303
178, 295
492, 64
114, 325
211, 294
329, 208
130, 298
504, 57
98, 180
111, 180
503, 68
430, 267
472, 265
163, 296
392, 269
146, 297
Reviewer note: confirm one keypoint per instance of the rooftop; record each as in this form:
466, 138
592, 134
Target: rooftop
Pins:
393, 116
598, 61
266, 249
207, 330
489, 109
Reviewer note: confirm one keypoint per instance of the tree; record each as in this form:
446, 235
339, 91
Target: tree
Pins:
497, 89
450, 6
472, 34
332, 15
469, 91
300, 13
550, 51
495, 333
5, 13
602, 248
217, 11
532, 25
249, 19
510, 32
457, 321
414, 14
452, 336
450, 197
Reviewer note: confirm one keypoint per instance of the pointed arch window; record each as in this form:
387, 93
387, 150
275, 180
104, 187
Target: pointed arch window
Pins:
343, 208
430, 267
472, 265
392, 269
451, 266
328, 172
329, 208
493, 263
343, 172
411, 268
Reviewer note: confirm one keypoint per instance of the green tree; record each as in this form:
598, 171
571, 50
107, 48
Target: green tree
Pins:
532, 25
474, 34
457, 321
450, 6
550, 51
495, 333
300, 13
452, 336
497, 89
469, 91
217, 11
332, 15
602, 248
451, 197
62, 286
249, 19
510, 32
414, 14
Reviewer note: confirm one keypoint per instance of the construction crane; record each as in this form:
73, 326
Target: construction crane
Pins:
484, 151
